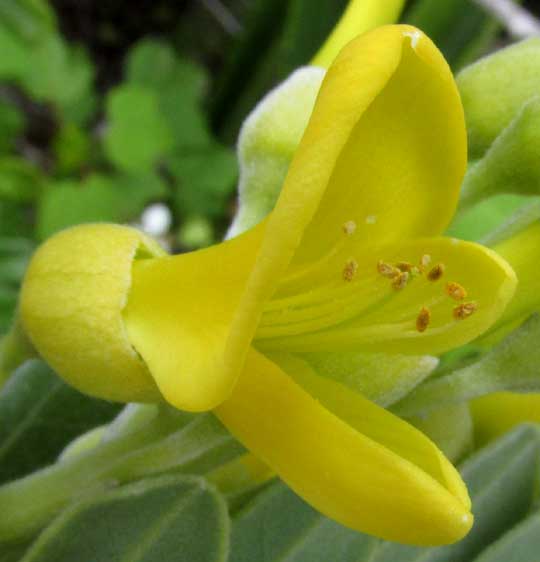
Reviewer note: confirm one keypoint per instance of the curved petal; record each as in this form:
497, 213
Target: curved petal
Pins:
349, 458
179, 317
367, 313
386, 141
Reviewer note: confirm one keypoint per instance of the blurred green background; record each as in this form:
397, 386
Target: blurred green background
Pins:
128, 111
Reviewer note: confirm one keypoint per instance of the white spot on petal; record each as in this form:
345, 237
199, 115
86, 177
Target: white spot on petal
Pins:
415, 37
371, 219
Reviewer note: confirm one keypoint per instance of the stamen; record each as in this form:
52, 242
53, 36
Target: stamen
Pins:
423, 318
435, 273
456, 291
349, 228
400, 282
404, 266
425, 260
350, 270
387, 270
465, 310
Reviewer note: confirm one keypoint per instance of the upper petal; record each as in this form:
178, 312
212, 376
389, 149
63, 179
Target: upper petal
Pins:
385, 147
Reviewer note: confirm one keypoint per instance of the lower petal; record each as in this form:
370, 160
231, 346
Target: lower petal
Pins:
349, 458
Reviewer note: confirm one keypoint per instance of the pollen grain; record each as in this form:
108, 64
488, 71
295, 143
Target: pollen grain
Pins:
350, 270
464, 310
423, 318
400, 281
456, 291
435, 273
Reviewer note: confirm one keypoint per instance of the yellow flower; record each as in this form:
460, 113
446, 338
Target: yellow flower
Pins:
351, 258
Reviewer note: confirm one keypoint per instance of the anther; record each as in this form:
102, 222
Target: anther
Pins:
349, 228
456, 291
464, 310
423, 318
350, 270
401, 280
387, 270
435, 273
425, 260
404, 266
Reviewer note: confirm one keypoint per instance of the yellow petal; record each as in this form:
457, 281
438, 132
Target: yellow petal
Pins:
71, 307
349, 458
497, 413
522, 251
179, 318
369, 314
359, 17
385, 147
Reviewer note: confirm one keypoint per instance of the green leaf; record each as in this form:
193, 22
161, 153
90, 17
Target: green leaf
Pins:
39, 414
179, 86
380, 377
305, 30
62, 74
197, 445
12, 123
510, 163
12, 552
20, 181
97, 198
14, 59
72, 148
278, 526
494, 89
511, 365
487, 216
14, 255
155, 65
175, 519
279, 36
206, 180
8, 305
29, 19
519, 544
138, 135
15, 219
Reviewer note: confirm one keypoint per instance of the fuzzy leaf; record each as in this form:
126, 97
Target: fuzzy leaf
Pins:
39, 415
177, 519
511, 365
